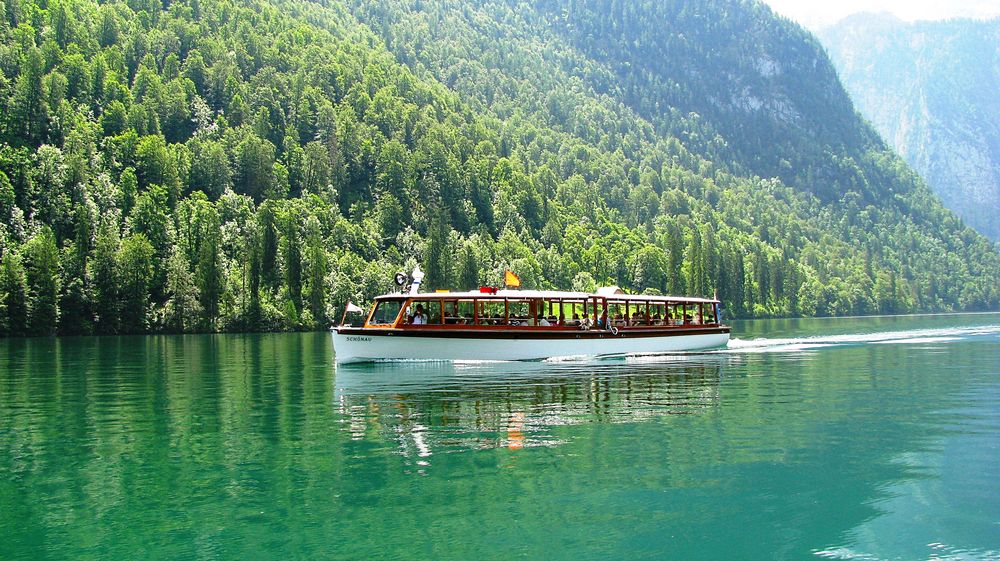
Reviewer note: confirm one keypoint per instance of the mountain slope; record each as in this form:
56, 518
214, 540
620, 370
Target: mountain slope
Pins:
551, 55
231, 165
929, 88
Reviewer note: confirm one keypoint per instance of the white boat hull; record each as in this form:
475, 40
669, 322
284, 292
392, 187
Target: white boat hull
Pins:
374, 345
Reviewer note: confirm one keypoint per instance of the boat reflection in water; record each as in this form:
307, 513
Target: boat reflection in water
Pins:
430, 407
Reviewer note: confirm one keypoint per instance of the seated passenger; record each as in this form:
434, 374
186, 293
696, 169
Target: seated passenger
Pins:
542, 322
419, 317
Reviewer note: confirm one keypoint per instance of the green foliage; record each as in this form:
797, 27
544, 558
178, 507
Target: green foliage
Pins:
293, 260
316, 263
135, 259
42, 267
256, 166
183, 307
13, 296
208, 278
105, 276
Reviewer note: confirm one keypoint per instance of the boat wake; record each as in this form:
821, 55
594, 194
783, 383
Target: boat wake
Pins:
910, 337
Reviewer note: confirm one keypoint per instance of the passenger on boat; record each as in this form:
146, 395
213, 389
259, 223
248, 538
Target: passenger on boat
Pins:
419, 317
542, 322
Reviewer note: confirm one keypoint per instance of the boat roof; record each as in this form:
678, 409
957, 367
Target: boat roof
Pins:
544, 295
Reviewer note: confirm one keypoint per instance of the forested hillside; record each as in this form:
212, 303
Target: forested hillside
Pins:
221, 165
930, 89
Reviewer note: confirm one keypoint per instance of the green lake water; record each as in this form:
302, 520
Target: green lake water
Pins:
870, 438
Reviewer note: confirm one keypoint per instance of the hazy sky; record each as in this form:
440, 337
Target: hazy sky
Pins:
815, 14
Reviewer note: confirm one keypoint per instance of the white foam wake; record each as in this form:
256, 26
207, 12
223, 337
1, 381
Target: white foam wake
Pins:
914, 336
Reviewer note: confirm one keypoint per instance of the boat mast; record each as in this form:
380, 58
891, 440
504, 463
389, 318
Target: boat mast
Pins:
418, 276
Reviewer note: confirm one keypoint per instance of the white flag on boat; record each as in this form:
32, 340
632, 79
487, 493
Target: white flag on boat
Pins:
351, 308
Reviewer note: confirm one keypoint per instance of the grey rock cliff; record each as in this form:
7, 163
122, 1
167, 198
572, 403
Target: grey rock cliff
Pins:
931, 89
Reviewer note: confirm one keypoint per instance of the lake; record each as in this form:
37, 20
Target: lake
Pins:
858, 438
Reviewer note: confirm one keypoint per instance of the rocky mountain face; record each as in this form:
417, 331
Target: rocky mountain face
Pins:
930, 89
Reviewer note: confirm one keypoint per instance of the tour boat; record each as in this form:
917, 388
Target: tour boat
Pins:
492, 324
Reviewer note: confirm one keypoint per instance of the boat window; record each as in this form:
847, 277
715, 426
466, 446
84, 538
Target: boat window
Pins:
386, 312
573, 313
435, 309
657, 313
423, 312
708, 313
676, 315
617, 313
519, 314
466, 311
458, 312
491, 312
640, 315
554, 312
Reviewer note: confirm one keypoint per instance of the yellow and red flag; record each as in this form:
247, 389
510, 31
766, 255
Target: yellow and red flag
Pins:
510, 279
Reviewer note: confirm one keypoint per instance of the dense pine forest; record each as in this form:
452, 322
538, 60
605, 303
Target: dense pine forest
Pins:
206, 165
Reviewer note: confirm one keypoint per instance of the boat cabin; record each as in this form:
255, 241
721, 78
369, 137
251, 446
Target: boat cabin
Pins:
539, 310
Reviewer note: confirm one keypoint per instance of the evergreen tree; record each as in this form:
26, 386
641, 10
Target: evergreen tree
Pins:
106, 275
649, 269
316, 259
267, 225
254, 167
13, 295
209, 275
293, 260
694, 263
253, 313
43, 283
135, 259
75, 315
437, 257
29, 118
183, 308
75, 307
468, 277
210, 170
675, 260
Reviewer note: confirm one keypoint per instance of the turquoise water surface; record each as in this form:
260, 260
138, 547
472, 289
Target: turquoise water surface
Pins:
862, 438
